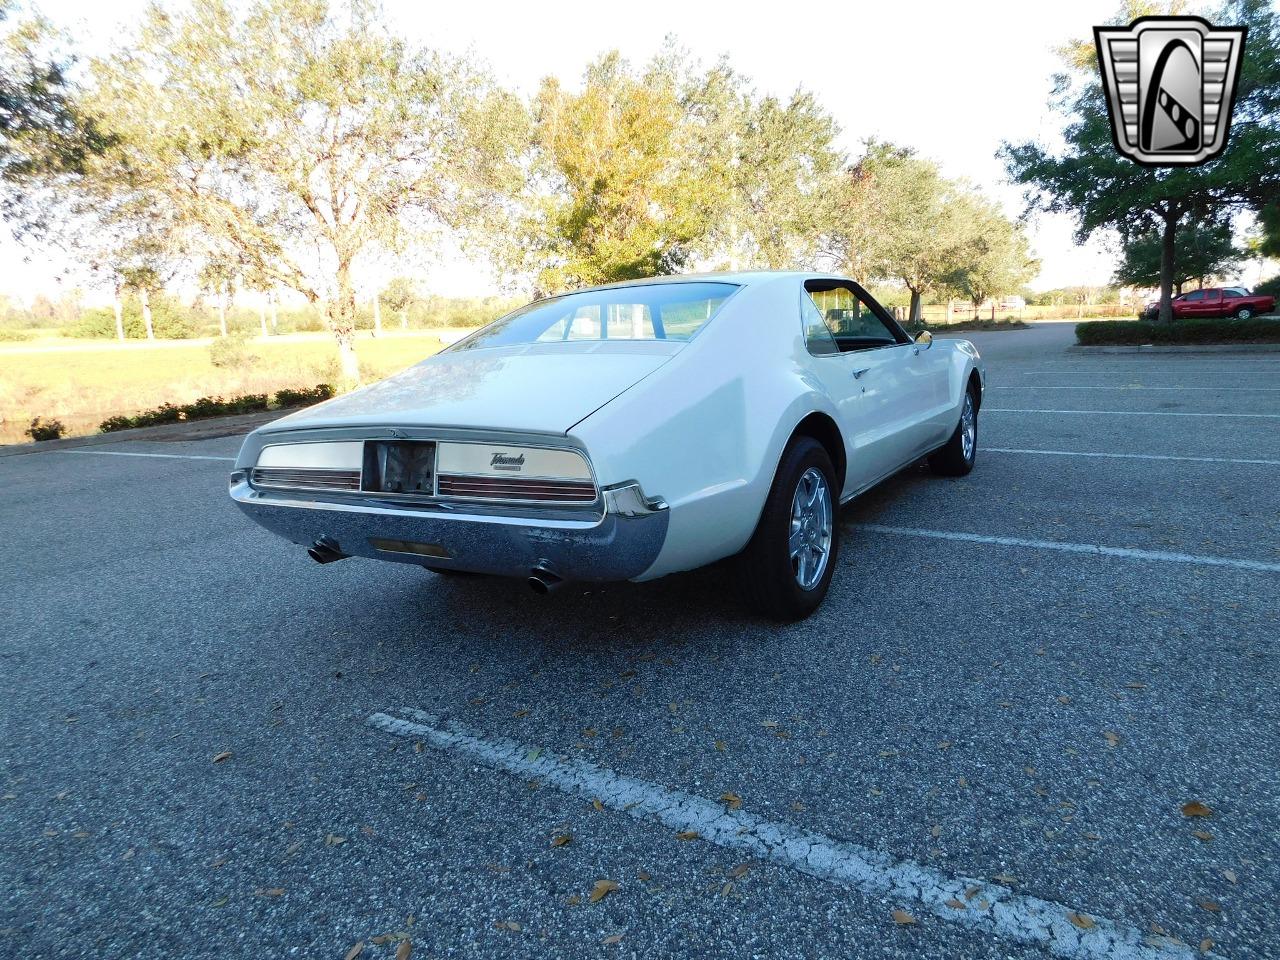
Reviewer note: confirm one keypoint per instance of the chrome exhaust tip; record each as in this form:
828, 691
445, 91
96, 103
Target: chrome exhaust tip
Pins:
325, 550
543, 580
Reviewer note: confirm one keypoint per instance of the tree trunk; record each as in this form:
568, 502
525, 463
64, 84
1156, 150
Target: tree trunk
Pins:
342, 321
377, 315
1167, 251
916, 315
222, 312
262, 317
119, 311
274, 318
977, 305
146, 313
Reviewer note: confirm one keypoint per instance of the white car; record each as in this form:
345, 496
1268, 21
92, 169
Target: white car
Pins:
626, 432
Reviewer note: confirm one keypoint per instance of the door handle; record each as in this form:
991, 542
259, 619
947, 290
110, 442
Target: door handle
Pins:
857, 374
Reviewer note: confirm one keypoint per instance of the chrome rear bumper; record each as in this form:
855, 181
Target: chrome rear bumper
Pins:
618, 544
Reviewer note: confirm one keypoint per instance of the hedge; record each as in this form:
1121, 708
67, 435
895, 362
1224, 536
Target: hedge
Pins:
1197, 331
207, 407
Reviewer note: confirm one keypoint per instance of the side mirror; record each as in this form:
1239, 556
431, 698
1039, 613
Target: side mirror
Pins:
924, 340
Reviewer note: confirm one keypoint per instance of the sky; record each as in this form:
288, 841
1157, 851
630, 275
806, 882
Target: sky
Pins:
951, 80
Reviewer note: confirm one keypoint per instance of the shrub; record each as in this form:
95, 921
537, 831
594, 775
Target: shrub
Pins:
1269, 288
42, 429
1202, 330
303, 397
169, 320
231, 353
14, 336
207, 407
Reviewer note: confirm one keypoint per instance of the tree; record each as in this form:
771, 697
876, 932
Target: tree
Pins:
620, 188
297, 137
1203, 250
400, 294
44, 134
1104, 190
995, 256
902, 220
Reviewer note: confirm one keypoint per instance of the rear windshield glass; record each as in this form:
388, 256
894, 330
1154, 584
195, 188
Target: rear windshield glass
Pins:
656, 311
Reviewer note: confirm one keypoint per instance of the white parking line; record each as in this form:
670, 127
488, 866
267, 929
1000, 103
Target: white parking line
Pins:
1091, 548
1135, 413
975, 904
158, 456
1128, 456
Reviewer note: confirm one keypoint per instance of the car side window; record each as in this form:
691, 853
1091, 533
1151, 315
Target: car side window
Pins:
848, 319
1195, 295
817, 335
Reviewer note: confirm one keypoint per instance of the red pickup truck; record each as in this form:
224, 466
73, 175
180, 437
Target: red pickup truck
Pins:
1214, 302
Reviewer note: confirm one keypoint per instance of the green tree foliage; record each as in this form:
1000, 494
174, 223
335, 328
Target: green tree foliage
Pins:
1104, 190
994, 254
297, 137
1203, 250
640, 173
44, 134
399, 295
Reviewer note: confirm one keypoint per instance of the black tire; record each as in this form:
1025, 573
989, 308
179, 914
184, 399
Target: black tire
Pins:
952, 460
767, 572
1244, 313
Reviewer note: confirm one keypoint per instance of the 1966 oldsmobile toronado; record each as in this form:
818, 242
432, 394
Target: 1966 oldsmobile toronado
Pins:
626, 432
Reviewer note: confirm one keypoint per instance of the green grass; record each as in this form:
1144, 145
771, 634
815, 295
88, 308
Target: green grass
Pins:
90, 381
1202, 331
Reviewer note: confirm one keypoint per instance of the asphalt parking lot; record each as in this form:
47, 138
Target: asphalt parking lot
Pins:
980, 746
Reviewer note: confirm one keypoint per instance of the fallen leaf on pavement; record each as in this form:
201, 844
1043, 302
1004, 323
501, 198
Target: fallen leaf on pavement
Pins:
597, 804
1210, 906
612, 939
740, 871
1005, 878
955, 904
902, 918
1230, 875
1206, 945
355, 951
1064, 699
333, 840
1080, 920
1112, 738
721, 746
220, 757
1136, 686
404, 951
508, 925
1204, 835
731, 800
1196, 809
560, 839
602, 889
270, 891
688, 835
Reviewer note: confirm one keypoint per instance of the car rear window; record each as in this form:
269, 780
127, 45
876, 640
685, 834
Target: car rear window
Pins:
655, 311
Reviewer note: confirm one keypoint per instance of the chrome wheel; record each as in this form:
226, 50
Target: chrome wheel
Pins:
811, 528
968, 427
1244, 313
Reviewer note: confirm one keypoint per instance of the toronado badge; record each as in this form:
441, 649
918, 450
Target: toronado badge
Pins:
1171, 84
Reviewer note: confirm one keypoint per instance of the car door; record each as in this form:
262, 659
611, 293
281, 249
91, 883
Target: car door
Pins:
1213, 304
1192, 304
890, 391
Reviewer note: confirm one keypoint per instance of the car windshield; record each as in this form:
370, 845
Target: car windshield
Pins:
655, 311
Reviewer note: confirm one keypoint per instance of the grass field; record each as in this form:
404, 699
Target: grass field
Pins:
82, 383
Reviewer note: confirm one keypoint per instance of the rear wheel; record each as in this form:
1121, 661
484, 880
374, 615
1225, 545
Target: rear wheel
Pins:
1244, 313
957, 457
787, 567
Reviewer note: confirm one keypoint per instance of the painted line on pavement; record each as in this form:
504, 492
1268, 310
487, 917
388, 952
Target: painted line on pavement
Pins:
1096, 549
158, 456
1129, 456
974, 904
1136, 413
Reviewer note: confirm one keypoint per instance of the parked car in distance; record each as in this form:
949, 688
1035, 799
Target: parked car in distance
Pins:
1214, 302
626, 432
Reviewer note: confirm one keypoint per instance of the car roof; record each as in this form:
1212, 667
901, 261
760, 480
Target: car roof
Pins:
741, 277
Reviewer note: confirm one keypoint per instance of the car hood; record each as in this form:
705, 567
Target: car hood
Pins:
540, 388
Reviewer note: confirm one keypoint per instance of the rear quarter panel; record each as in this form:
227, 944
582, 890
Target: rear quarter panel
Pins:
706, 431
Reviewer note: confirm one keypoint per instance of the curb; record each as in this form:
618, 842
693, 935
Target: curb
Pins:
1180, 348
206, 429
